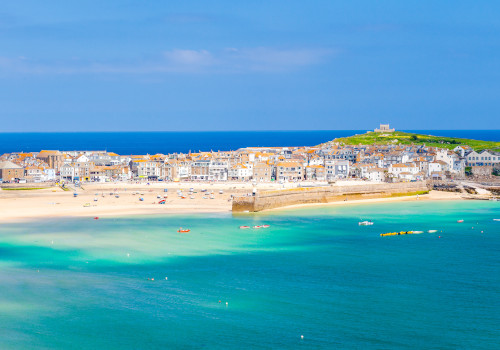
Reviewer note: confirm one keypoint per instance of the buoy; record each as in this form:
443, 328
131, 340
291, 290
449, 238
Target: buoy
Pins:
152, 279
128, 255
439, 237
227, 303
301, 337
166, 278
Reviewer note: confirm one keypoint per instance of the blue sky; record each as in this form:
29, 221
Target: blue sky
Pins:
121, 65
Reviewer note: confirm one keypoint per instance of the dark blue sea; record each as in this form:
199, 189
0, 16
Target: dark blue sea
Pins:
185, 141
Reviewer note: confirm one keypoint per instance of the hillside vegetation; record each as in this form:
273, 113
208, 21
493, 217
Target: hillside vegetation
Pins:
405, 138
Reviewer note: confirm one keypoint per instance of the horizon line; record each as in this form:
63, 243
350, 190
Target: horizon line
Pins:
228, 131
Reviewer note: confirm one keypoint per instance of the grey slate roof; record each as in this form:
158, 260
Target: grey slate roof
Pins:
9, 165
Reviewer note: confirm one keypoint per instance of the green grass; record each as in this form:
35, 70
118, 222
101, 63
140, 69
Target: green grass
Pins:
405, 138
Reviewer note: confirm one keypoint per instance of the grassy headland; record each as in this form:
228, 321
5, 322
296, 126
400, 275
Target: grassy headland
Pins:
406, 138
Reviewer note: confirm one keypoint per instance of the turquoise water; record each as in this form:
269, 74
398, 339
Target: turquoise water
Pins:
83, 283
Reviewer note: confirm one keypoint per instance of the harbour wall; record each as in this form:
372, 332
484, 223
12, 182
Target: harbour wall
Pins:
281, 198
28, 185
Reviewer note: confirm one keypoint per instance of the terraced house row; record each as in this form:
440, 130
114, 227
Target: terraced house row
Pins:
330, 162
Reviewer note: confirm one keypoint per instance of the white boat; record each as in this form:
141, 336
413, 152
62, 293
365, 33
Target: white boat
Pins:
496, 219
418, 232
432, 231
365, 223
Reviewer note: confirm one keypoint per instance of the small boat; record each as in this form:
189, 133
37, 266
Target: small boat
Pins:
496, 219
141, 199
181, 230
365, 223
244, 227
418, 232
432, 231
265, 226
396, 233
162, 201
257, 227
460, 221
86, 205
96, 218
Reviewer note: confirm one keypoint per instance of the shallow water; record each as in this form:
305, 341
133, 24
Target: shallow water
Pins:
83, 283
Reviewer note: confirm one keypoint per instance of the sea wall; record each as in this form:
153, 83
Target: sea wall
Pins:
281, 198
14, 186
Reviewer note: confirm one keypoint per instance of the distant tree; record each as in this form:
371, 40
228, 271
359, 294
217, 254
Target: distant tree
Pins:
414, 137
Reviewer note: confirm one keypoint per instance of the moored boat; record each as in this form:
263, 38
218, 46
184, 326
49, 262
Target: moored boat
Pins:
396, 233
257, 226
432, 231
181, 230
460, 221
365, 223
244, 227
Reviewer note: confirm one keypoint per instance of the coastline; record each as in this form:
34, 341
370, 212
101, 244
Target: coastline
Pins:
17, 206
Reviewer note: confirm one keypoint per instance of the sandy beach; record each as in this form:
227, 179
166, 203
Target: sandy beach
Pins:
119, 199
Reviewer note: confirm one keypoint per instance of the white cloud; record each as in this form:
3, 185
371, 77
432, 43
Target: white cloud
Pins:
229, 60
269, 59
189, 57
